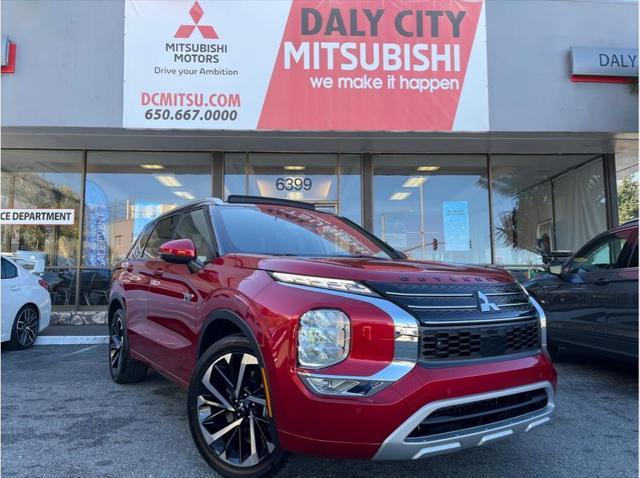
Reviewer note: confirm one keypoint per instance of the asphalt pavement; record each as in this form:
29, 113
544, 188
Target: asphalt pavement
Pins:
62, 416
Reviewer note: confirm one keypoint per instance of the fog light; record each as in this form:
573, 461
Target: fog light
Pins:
323, 338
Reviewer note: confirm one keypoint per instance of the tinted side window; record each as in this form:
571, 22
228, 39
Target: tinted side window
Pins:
162, 232
195, 226
604, 254
138, 247
9, 271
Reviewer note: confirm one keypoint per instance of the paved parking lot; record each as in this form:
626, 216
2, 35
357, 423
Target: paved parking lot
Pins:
62, 416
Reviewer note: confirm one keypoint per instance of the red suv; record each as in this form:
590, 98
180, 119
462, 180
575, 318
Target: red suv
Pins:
296, 330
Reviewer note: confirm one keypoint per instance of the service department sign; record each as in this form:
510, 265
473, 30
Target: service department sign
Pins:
39, 217
306, 65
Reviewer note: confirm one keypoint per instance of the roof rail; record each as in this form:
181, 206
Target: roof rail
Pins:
238, 199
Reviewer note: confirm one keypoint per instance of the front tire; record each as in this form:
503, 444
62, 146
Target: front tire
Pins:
229, 417
123, 368
25, 328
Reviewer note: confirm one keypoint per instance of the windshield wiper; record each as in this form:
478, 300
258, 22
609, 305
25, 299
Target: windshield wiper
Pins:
360, 256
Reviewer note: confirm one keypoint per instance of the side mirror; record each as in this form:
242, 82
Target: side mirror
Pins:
555, 269
179, 251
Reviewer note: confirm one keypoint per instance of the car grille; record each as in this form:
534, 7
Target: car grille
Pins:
483, 412
478, 341
454, 327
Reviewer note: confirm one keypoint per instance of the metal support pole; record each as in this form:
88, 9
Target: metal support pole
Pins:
83, 191
422, 231
367, 191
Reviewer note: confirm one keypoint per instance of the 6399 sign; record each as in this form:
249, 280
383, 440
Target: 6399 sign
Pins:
294, 184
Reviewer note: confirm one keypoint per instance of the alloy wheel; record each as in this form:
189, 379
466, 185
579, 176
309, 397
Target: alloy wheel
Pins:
232, 410
27, 327
116, 340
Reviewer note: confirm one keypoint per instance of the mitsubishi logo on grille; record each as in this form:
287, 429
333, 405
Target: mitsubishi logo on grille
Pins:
196, 14
485, 304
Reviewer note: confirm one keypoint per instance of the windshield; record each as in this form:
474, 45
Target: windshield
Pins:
282, 230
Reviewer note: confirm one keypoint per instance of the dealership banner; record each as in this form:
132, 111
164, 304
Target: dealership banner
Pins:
312, 65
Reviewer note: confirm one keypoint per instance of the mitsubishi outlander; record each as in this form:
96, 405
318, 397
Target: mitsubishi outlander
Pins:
296, 330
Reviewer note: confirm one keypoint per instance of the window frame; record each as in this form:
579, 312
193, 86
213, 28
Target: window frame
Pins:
178, 215
139, 239
634, 252
155, 225
621, 262
6, 262
209, 220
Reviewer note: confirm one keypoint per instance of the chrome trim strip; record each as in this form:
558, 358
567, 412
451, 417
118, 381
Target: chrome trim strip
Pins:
406, 294
398, 447
493, 294
479, 321
405, 349
517, 304
543, 321
443, 307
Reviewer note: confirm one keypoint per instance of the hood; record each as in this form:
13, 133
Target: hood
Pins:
371, 269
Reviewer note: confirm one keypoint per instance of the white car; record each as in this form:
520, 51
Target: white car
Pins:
26, 305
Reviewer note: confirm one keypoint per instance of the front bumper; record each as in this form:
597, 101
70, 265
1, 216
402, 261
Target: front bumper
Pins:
377, 427
399, 447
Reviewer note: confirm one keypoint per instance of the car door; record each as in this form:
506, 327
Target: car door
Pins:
622, 302
143, 334
135, 285
14, 291
177, 294
577, 299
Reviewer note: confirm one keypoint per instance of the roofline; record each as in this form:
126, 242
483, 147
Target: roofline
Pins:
241, 199
237, 199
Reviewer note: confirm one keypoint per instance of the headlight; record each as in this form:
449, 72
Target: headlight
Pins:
323, 338
323, 283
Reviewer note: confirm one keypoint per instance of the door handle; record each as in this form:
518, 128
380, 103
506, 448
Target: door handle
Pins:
157, 273
15, 288
601, 281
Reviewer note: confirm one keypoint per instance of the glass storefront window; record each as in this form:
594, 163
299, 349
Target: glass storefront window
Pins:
627, 179
124, 191
539, 204
329, 181
44, 180
579, 205
433, 207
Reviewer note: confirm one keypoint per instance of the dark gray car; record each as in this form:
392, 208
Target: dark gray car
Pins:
591, 301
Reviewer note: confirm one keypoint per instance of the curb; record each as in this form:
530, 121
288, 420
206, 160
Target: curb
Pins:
71, 339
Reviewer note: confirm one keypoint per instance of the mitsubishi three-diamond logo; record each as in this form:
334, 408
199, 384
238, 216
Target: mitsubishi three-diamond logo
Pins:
206, 31
485, 304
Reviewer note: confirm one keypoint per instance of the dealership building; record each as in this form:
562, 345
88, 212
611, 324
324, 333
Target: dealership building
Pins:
484, 132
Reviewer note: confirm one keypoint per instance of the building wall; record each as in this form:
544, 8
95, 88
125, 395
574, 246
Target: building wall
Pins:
69, 63
529, 66
69, 68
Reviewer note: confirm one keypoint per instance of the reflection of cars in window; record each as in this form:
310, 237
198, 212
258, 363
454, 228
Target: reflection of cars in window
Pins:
26, 307
269, 310
591, 300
